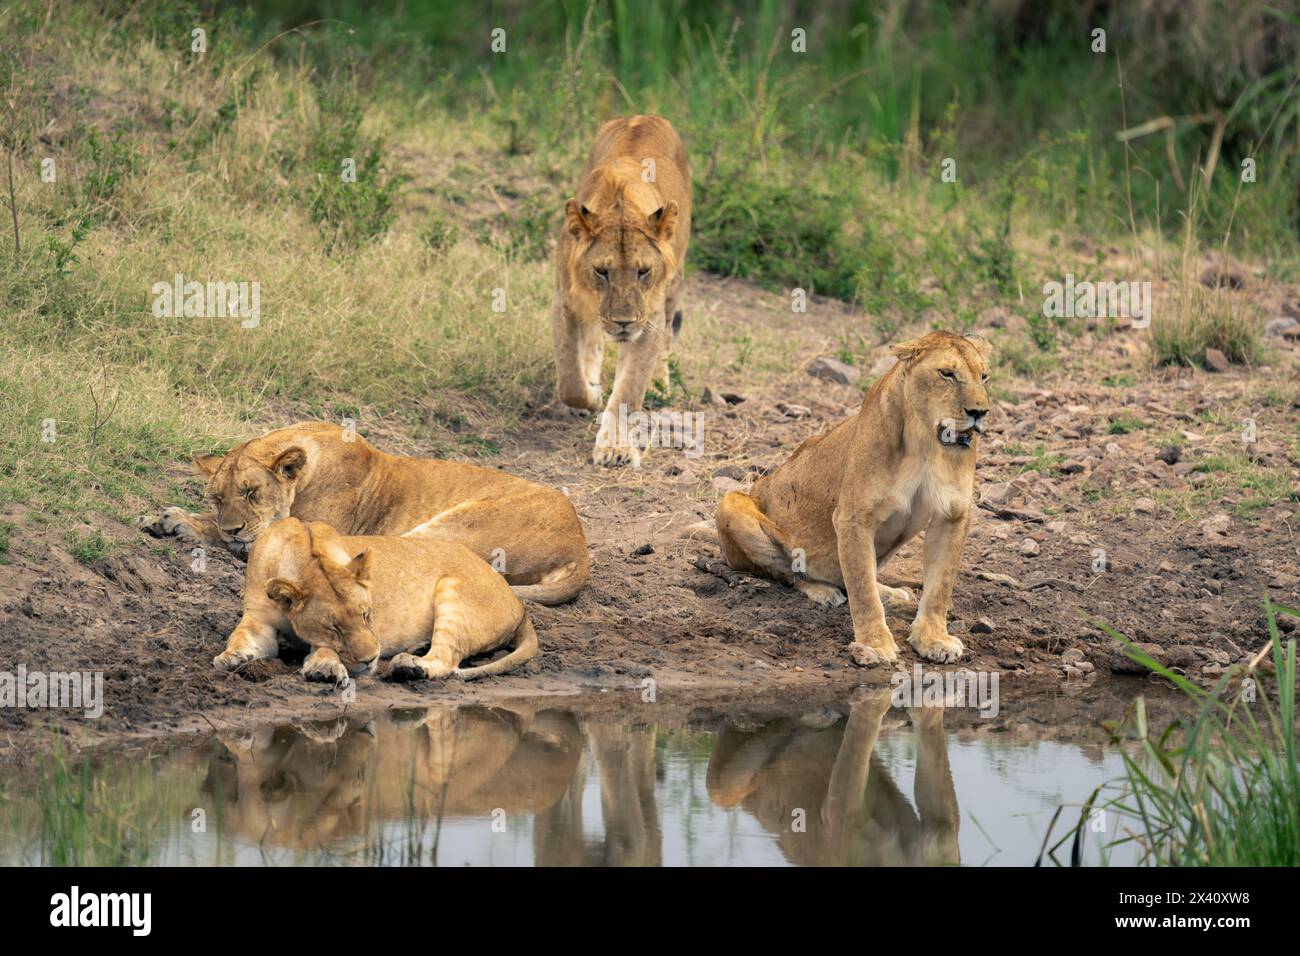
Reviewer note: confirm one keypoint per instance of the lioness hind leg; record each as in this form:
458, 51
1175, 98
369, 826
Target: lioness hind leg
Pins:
751, 542
454, 638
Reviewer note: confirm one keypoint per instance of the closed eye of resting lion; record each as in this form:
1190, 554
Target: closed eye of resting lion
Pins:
316, 471
849, 498
354, 600
618, 272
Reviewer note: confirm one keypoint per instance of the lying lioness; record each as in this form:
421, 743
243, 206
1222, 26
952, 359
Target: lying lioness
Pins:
321, 472
849, 498
618, 272
354, 600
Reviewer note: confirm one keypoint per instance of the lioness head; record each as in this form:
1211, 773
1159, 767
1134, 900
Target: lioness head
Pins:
329, 606
248, 491
944, 381
622, 262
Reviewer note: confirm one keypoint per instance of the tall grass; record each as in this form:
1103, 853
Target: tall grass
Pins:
1223, 789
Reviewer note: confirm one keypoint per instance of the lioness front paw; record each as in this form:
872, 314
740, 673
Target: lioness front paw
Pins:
324, 670
229, 660
827, 595
611, 455
171, 522
933, 642
875, 646
410, 667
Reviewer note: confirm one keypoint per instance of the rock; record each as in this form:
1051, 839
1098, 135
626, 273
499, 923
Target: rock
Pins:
1170, 454
730, 471
996, 492
713, 397
1184, 468
725, 484
1216, 526
1121, 663
1029, 547
833, 370
1072, 656
1216, 361
1276, 328
644, 550
790, 410
1144, 506
982, 626
1072, 672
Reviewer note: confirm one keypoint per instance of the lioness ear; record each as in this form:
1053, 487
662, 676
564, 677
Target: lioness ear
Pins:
207, 465
289, 463
664, 220
577, 219
360, 568
906, 351
284, 593
982, 345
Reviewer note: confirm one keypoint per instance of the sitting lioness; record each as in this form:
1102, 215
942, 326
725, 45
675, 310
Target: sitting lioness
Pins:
321, 472
354, 600
847, 499
618, 272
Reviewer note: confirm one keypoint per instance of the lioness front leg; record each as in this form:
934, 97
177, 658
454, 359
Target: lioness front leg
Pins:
185, 526
872, 641
251, 640
579, 351
617, 445
447, 647
944, 540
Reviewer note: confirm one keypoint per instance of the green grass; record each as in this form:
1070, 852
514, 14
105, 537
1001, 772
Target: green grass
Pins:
1224, 788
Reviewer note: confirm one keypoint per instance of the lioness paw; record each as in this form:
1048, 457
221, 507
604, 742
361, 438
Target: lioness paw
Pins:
611, 455
172, 522
864, 655
231, 660
410, 667
896, 597
934, 643
827, 595
324, 670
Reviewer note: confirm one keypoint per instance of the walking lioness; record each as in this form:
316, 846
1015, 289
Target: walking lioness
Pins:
321, 472
618, 272
354, 600
849, 498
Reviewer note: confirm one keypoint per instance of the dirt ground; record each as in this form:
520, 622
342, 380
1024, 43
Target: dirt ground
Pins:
1059, 485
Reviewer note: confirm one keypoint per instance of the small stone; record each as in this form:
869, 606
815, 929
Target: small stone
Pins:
982, 626
1216, 361
713, 397
1144, 506
1071, 655
1170, 454
790, 410
644, 550
1276, 328
1217, 526
730, 471
833, 370
725, 484
1029, 547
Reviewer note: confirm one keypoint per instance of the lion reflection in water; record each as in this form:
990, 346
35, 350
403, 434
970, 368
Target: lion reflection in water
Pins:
320, 785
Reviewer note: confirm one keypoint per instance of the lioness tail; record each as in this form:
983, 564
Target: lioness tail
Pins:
526, 647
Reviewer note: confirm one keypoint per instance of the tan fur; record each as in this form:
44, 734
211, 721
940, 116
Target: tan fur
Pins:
355, 600
621, 224
320, 784
827, 518
320, 472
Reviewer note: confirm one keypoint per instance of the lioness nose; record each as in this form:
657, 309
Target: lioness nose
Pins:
977, 413
623, 323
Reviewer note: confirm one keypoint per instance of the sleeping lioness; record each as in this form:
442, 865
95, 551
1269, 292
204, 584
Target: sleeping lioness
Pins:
354, 600
849, 498
321, 472
618, 272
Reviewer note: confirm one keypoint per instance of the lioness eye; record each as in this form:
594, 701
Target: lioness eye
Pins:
642, 273
949, 374
602, 273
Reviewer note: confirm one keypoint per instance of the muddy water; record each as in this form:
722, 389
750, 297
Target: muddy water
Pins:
496, 786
